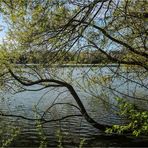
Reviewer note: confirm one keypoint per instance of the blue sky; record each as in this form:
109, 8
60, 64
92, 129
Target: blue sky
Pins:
3, 27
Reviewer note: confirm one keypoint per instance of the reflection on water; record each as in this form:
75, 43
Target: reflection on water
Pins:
96, 87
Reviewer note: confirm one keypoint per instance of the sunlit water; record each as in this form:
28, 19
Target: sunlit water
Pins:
94, 93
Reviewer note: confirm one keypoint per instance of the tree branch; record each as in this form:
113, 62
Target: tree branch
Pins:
73, 93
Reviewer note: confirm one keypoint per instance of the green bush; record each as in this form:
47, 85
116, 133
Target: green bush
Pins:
8, 134
138, 120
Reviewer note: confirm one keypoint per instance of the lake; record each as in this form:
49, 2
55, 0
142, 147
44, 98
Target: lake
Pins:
97, 88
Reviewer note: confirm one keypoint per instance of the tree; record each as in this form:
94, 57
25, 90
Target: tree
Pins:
56, 26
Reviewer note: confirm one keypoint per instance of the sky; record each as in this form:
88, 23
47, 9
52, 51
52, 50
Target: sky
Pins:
4, 29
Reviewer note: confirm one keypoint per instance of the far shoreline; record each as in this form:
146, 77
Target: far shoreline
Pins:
71, 65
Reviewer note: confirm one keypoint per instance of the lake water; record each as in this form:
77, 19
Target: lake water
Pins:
96, 86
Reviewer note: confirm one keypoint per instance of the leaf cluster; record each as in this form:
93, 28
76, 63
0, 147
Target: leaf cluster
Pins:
138, 120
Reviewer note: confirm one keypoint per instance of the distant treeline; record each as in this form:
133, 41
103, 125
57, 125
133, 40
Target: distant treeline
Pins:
66, 57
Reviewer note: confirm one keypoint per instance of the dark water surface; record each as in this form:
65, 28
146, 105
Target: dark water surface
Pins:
33, 104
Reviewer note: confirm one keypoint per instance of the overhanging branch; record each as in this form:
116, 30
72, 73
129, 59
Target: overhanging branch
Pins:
73, 93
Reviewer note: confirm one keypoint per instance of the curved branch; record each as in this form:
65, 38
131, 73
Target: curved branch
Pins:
111, 58
62, 118
73, 93
20, 116
41, 119
144, 54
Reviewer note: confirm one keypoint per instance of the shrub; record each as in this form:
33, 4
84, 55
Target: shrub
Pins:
138, 120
